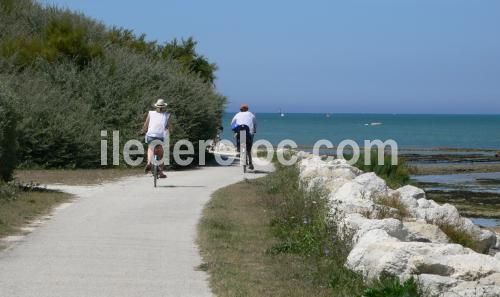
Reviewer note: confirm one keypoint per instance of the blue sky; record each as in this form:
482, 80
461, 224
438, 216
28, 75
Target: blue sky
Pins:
370, 56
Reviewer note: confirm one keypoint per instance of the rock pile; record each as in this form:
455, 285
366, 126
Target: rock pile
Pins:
400, 232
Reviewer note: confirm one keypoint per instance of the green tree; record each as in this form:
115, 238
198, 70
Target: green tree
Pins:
61, 39
185, 53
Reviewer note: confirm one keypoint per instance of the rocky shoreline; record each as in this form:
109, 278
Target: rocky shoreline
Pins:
401, 233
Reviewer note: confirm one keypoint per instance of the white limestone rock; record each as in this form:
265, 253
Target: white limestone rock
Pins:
434, 285
314, 168
409, 195
377, 253
359, 226
372, 185
351, 206
485, 239
424, 203
366, 186
433, 213
472, 289
467, 267
491, 280
332, 185
423, 232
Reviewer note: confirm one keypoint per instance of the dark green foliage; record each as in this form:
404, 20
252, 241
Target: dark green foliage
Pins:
395, 175
127, 39
8, 192
7, 5
73, 77
61, 39
391, 287
8, 136
185, 53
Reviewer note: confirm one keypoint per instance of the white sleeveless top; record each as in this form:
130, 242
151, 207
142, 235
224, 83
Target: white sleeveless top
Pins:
158, 122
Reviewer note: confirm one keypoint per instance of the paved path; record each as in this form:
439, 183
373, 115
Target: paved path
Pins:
119, 239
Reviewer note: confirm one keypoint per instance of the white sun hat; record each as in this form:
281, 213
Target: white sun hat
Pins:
160, 103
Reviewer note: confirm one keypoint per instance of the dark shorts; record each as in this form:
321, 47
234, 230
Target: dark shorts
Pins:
150, 139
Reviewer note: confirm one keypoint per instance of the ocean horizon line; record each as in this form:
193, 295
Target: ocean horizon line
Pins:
371, 113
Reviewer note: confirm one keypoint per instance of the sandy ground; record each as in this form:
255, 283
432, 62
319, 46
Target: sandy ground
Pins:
120, 239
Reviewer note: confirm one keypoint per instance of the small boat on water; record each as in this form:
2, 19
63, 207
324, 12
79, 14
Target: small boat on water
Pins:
374, 124
282, 114
328, 115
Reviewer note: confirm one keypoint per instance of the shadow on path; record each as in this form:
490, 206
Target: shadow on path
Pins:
180, 186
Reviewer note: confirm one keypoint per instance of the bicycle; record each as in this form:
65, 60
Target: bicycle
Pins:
157, 156
243, 157
244, 144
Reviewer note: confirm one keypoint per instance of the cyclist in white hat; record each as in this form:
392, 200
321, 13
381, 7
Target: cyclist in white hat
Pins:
156, 127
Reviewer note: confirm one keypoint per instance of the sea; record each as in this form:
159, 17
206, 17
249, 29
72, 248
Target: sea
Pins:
472, 139
409, 131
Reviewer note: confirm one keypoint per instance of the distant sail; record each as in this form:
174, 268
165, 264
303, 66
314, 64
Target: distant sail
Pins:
281, 113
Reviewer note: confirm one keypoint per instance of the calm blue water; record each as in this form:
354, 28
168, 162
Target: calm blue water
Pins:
410, 131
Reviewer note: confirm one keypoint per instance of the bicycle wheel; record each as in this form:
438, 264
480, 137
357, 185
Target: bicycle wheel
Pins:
244, 161
155, 172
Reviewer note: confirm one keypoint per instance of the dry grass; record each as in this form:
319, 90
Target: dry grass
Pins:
457, 234
235, 236
390, 203
26, 206
74, 177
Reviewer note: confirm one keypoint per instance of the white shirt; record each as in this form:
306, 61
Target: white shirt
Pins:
245, 118
158, 122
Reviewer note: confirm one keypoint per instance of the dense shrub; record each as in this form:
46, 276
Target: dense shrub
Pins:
78, 78
8, 136
61, 39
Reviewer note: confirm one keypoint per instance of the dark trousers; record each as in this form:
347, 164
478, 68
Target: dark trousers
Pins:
240, 130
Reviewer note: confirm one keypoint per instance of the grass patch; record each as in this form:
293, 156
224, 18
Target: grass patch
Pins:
391, 287
390, 203
458, 235
19, 206
395, 175
235, 236
268, 237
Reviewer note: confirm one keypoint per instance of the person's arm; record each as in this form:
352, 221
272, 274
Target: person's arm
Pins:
169, 124
146, 125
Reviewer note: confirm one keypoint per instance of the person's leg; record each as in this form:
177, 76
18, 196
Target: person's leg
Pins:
150, 154
237, 135
249, 150
149, 157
